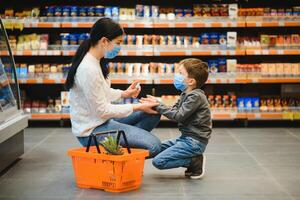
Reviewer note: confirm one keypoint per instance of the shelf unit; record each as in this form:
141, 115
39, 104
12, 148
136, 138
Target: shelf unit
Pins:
157, 53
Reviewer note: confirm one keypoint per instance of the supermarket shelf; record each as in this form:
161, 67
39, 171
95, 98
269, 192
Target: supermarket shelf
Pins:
273, 52
49, 116
62, 80
163, 51
226, 115
155, 80
275, 80
191, 22
252, 21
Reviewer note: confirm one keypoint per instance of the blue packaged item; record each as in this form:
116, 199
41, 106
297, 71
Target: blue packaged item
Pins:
147, 11
74, 11
187, 12
124, 67
64, 37
139, 10
135, 100
23, 71
213, 38
241, 104
73, 38
115, 67
179, 12
127, 101
154, 11
133, 39
222, 39
50, 10
222, 65
213, 66
18, 71
125, 40
204, 39
91, 11
115, 12
66, 11
58, 11
99, 11
82, 37
248, 104
108, 12
255, 103
82, 11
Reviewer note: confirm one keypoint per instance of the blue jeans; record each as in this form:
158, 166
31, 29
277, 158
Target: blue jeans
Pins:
178, 153
137, 127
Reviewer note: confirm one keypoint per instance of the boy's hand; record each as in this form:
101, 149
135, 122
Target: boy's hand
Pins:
149, 98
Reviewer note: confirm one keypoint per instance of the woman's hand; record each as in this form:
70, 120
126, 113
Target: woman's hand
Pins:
132, 91
146, 107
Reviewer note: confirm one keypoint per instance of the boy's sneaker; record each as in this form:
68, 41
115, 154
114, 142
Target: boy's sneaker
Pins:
197, 167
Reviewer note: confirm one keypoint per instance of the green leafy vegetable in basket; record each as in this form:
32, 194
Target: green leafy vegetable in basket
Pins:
111, 146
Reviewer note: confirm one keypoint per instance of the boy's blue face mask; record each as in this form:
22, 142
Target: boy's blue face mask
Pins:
179, 82
113, 53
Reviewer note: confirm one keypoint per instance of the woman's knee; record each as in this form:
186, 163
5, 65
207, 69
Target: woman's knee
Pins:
154, 147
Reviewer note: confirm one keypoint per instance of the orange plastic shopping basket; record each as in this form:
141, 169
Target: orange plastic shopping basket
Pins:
94, 168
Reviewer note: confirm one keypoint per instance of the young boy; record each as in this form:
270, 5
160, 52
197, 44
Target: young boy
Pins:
194, 121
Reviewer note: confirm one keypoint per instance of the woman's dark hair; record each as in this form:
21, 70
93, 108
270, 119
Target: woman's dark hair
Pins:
104, 27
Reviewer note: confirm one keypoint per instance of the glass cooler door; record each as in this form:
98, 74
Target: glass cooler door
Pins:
9, 89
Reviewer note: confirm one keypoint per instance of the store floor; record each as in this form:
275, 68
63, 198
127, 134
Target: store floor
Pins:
242, 164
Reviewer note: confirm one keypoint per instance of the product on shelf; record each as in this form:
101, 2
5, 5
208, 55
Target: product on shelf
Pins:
29, 42
277, 104
294, 11
270, 41
271, 69
39, 70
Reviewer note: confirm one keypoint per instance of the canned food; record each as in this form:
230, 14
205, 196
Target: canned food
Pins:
66, 11
107, 12
82, 11
154, 11
147, 11
99, 11
58, 11
64, 38
73, 39
50, 11
73, 11
115, 12
91, 11
139, 10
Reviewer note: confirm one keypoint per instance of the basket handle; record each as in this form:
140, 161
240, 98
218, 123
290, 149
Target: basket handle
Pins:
119, 133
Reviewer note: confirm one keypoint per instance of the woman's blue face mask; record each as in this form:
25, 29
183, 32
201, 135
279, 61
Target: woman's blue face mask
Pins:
113, 53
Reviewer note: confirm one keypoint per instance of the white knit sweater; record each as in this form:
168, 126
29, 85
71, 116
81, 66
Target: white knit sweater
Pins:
91, 97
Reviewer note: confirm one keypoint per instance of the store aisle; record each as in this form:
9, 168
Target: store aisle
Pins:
243, 164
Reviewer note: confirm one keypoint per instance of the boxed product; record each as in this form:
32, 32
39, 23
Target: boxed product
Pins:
213, 66
231, 65
231, 39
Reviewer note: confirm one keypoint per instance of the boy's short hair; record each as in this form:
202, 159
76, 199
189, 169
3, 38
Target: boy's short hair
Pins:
196, 69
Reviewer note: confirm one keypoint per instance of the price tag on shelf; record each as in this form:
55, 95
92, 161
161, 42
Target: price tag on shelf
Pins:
281, 23
257, 52
280, 52
214, 52
265, 52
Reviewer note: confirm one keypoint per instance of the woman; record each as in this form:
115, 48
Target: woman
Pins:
91, 94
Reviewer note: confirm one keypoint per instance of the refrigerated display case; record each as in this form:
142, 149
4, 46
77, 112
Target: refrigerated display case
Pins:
12, 120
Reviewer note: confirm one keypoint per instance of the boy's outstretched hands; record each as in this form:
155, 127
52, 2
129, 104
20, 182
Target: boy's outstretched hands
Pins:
149, 99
